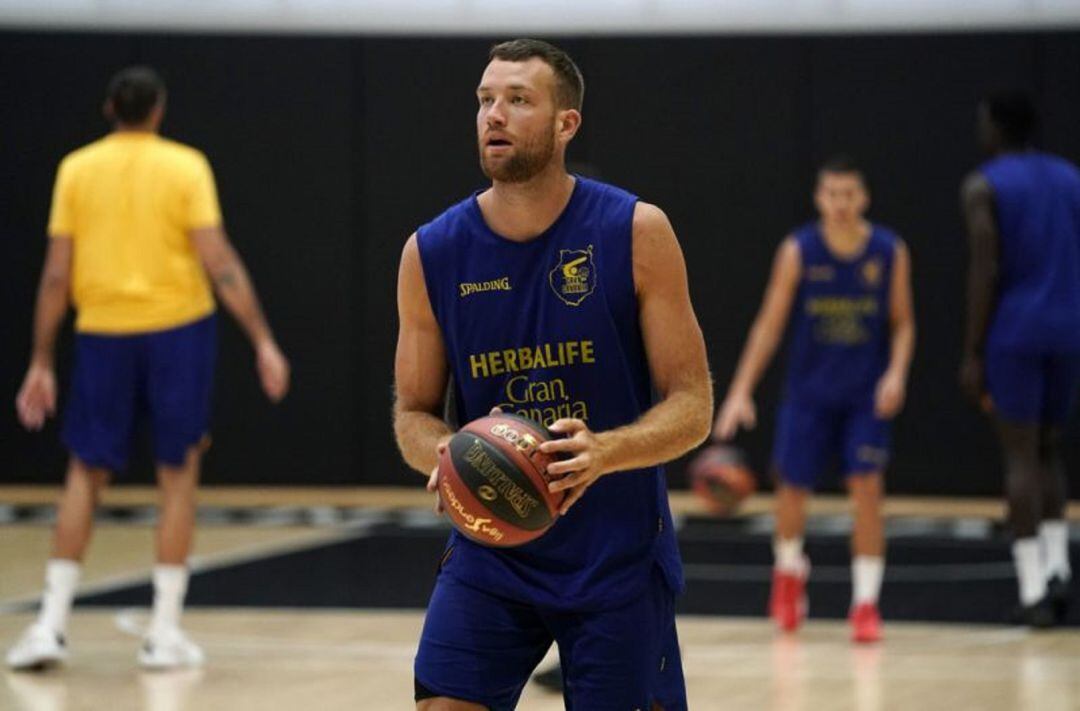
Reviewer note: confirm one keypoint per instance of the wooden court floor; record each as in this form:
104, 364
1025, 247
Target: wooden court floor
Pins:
277, 659
266, 660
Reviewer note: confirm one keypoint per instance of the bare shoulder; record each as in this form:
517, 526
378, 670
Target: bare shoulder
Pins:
410, 256
975, 187
654, 237
657, 257
411, 271
789, 254
650, 224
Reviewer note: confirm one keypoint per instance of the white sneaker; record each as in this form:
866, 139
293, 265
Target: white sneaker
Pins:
169, 649
40, 647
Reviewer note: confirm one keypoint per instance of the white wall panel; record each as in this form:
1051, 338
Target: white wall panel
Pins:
541, 16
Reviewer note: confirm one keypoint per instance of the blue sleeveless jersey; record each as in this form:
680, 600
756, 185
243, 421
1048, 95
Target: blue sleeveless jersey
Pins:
840, 334
1037, 197
549, 329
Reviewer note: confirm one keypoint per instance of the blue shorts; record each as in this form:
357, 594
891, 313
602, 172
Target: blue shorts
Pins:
809, 436
1031, 388
481, 648
166, 376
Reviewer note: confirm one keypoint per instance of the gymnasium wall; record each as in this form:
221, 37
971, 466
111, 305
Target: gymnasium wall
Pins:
330, 150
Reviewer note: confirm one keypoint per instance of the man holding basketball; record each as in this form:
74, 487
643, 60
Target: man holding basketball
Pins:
498, 292
845, 284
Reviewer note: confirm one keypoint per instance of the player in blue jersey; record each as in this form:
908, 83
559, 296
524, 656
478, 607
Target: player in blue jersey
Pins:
566, 300
845, 285
1022, 345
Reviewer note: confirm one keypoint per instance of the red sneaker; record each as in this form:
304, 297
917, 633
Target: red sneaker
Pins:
787, 602
865, 623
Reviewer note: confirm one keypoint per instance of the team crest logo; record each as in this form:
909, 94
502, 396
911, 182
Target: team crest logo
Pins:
871, 273
574, 277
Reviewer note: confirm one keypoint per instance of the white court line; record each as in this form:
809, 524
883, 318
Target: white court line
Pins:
132, 622
907, 657
200, 564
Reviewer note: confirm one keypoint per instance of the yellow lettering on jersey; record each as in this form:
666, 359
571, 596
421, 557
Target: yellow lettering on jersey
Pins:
526, 358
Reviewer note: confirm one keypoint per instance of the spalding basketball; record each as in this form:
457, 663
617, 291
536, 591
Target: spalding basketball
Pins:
493, 481
721, 478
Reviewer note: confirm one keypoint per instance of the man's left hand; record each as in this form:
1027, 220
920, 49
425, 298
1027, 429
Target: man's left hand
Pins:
589, 458
889, 395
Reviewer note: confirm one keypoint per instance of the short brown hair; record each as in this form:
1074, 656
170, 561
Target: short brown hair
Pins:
569, 83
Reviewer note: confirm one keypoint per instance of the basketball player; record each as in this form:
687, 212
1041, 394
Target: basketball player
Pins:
1022, 347
135, 232
564, 299
847, 282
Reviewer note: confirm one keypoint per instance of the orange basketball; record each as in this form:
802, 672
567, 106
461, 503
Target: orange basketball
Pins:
493, 481
719, 476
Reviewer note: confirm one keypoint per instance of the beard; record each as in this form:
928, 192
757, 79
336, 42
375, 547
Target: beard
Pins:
527, 160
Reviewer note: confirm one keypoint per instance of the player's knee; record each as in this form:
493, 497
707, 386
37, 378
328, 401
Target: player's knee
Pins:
1020, 442
82, 474
865, 488
444, 704
791, 492
1021, 483
177, 481
1049, 442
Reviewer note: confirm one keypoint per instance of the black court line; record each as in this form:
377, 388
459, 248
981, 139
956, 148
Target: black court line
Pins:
931, 576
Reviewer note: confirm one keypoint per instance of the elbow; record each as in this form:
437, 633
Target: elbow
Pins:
702, 429
699, 425
56, 283
765, 335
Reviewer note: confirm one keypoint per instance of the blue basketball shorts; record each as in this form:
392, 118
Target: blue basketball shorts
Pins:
1033, 388
165, 377
809, 436
482, 648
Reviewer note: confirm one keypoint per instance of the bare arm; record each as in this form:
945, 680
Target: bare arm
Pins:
977, 205
420, 369
762, 342
233, 286
977, 202
901, 314
890, 393
53, 299
231, 281
37, 396
680, 371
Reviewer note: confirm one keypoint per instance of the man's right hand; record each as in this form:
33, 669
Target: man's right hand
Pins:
433, 478
973, 382
735, 412
37, 396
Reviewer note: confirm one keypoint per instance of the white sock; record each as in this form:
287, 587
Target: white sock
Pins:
61, 579
866, 574
1029, 570
1054, 536
788, 555
170, 586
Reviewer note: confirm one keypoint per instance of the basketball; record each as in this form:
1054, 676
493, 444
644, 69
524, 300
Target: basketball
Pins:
721, 479
493, 481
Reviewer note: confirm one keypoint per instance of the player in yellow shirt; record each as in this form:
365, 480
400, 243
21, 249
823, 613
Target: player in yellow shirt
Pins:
138, 248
